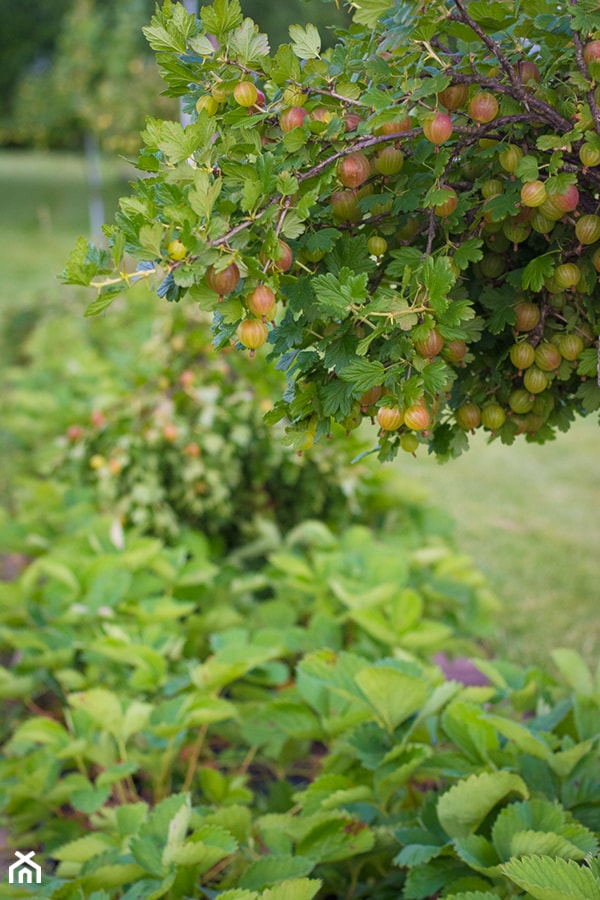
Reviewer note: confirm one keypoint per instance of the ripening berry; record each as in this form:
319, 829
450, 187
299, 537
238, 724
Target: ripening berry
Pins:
253, 333
245, 93
390, 418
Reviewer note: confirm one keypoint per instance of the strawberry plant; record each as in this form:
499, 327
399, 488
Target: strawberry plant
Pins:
463, 135
182, 725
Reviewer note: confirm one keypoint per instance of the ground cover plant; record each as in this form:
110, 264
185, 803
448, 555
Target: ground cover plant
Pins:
223, 701
180, 726
414, 208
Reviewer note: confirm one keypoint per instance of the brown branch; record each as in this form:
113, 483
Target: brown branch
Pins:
492, 46
528, 100
329, 93
430, 232
284, 211
584, 71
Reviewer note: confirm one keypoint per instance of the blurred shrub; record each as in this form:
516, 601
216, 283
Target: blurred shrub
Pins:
167, 433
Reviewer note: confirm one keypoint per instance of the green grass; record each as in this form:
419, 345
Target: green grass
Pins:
527, 514
44, 208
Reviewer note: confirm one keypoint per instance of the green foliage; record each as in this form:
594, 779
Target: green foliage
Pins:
237, 182
100, 79
182, 723
166, 433
28, 33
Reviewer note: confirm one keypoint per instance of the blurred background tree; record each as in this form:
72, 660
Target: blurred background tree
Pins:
100, 80
78, 74
81, 70
27, 41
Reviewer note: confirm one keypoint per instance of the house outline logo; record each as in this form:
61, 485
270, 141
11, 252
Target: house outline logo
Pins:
25, 869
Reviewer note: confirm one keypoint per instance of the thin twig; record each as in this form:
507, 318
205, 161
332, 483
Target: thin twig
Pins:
584, 71
528, 100
430, 232
194, 757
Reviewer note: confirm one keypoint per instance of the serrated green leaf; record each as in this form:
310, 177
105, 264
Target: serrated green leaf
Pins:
527, 168
270, 870
466, 804
435, 376
363, 374
393, 695
201, 45
294, 889
467, 252
221, 16
306, 42
536, 270
525, 740
237, 894
368, 12
91, 800
84, 262
247, 44
438, 279
589, 394
545, 878
501, 206
477, 852
84, 848
336, 839
150, 238
205, 193
174, 140
334, 294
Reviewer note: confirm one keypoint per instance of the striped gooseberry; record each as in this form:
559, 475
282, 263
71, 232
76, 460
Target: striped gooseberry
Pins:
468, 416
253, 333
438, 128
493, 416
483, 107
390, 418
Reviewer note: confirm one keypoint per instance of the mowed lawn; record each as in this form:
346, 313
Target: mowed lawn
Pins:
529, 515
42, 211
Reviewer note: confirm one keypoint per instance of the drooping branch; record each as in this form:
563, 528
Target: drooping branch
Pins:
528, 100
578, 43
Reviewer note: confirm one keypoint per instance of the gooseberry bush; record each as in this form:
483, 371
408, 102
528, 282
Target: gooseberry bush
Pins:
420, 201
